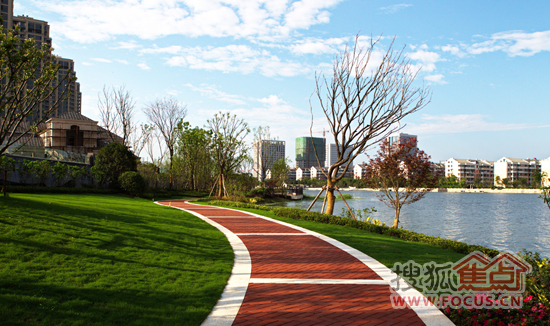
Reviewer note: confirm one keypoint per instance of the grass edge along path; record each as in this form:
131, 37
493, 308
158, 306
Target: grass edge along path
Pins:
384, 248
107, 260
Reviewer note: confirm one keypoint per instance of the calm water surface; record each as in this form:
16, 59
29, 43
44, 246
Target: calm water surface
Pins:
508, 222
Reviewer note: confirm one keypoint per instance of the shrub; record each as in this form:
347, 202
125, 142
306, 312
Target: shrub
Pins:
456, 246
538, 282
239, 205
112, 161
132, 183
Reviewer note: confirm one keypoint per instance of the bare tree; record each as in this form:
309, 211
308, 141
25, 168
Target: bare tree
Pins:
116, 108
264, 148
228, 145
165, 114
363, 101
140, 138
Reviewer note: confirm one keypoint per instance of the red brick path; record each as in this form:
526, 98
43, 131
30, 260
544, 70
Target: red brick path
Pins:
303, 257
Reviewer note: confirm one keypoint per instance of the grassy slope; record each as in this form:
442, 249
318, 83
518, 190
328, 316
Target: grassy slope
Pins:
106, 260
385, 249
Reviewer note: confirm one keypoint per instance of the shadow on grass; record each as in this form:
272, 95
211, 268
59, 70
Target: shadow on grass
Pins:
56, 305
122, 225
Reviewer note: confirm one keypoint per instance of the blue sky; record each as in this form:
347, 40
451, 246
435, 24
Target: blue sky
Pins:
486, 62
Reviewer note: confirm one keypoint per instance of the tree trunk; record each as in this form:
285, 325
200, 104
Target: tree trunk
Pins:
220, 186
396, 218
170, 172
330, 197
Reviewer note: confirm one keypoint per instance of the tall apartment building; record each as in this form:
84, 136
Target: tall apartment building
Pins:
400, 138
470, 170
514, 169
39, 31
306, 147
264, 154
331, 155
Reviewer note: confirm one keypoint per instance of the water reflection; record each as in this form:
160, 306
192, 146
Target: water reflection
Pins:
501, 221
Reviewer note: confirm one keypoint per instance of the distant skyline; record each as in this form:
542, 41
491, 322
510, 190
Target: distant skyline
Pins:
487, 63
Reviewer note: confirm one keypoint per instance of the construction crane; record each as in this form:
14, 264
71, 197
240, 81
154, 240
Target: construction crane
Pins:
318, 132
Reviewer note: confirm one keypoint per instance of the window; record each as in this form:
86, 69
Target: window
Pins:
75, 137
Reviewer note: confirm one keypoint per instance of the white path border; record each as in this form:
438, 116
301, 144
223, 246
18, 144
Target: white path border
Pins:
228, 306
226, 309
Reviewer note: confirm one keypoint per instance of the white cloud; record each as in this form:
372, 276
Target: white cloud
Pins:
102, 60
278, 112
448, 123
131, 45
143, 66
87, 63
394, 8
426, 59
454, 50
124, 62
436, 79
231, 58
514, 43
524, 44
101, 20
212, 92
318, 46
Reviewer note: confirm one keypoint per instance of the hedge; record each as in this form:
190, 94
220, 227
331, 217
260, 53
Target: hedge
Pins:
298, 214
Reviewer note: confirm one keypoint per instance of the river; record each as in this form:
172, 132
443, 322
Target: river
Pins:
507, 222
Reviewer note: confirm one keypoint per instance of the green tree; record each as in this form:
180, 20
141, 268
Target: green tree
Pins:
75, 172
7, 167
279, 173
537, 179
60, 171
194, 153
229, 148
41, 170
111, 162
29, 77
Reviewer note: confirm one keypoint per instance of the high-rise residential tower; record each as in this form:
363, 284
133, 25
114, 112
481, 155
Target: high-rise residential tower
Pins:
39, 31
265, 153
331, 155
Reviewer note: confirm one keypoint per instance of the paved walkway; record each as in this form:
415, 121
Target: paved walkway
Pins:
287, 275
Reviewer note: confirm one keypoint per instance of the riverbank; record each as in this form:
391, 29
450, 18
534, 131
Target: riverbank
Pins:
464, 190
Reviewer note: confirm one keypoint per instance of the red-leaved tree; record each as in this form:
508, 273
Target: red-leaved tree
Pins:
402, 173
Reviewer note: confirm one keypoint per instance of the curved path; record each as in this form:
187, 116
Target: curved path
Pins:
287, 275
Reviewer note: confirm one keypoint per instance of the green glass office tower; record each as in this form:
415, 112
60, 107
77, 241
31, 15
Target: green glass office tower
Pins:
305, 152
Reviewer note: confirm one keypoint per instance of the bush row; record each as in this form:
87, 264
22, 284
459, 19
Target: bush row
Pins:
298, 214
239, 205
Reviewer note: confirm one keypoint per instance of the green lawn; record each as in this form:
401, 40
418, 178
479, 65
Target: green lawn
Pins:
114, 260
106, 260
387, 250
